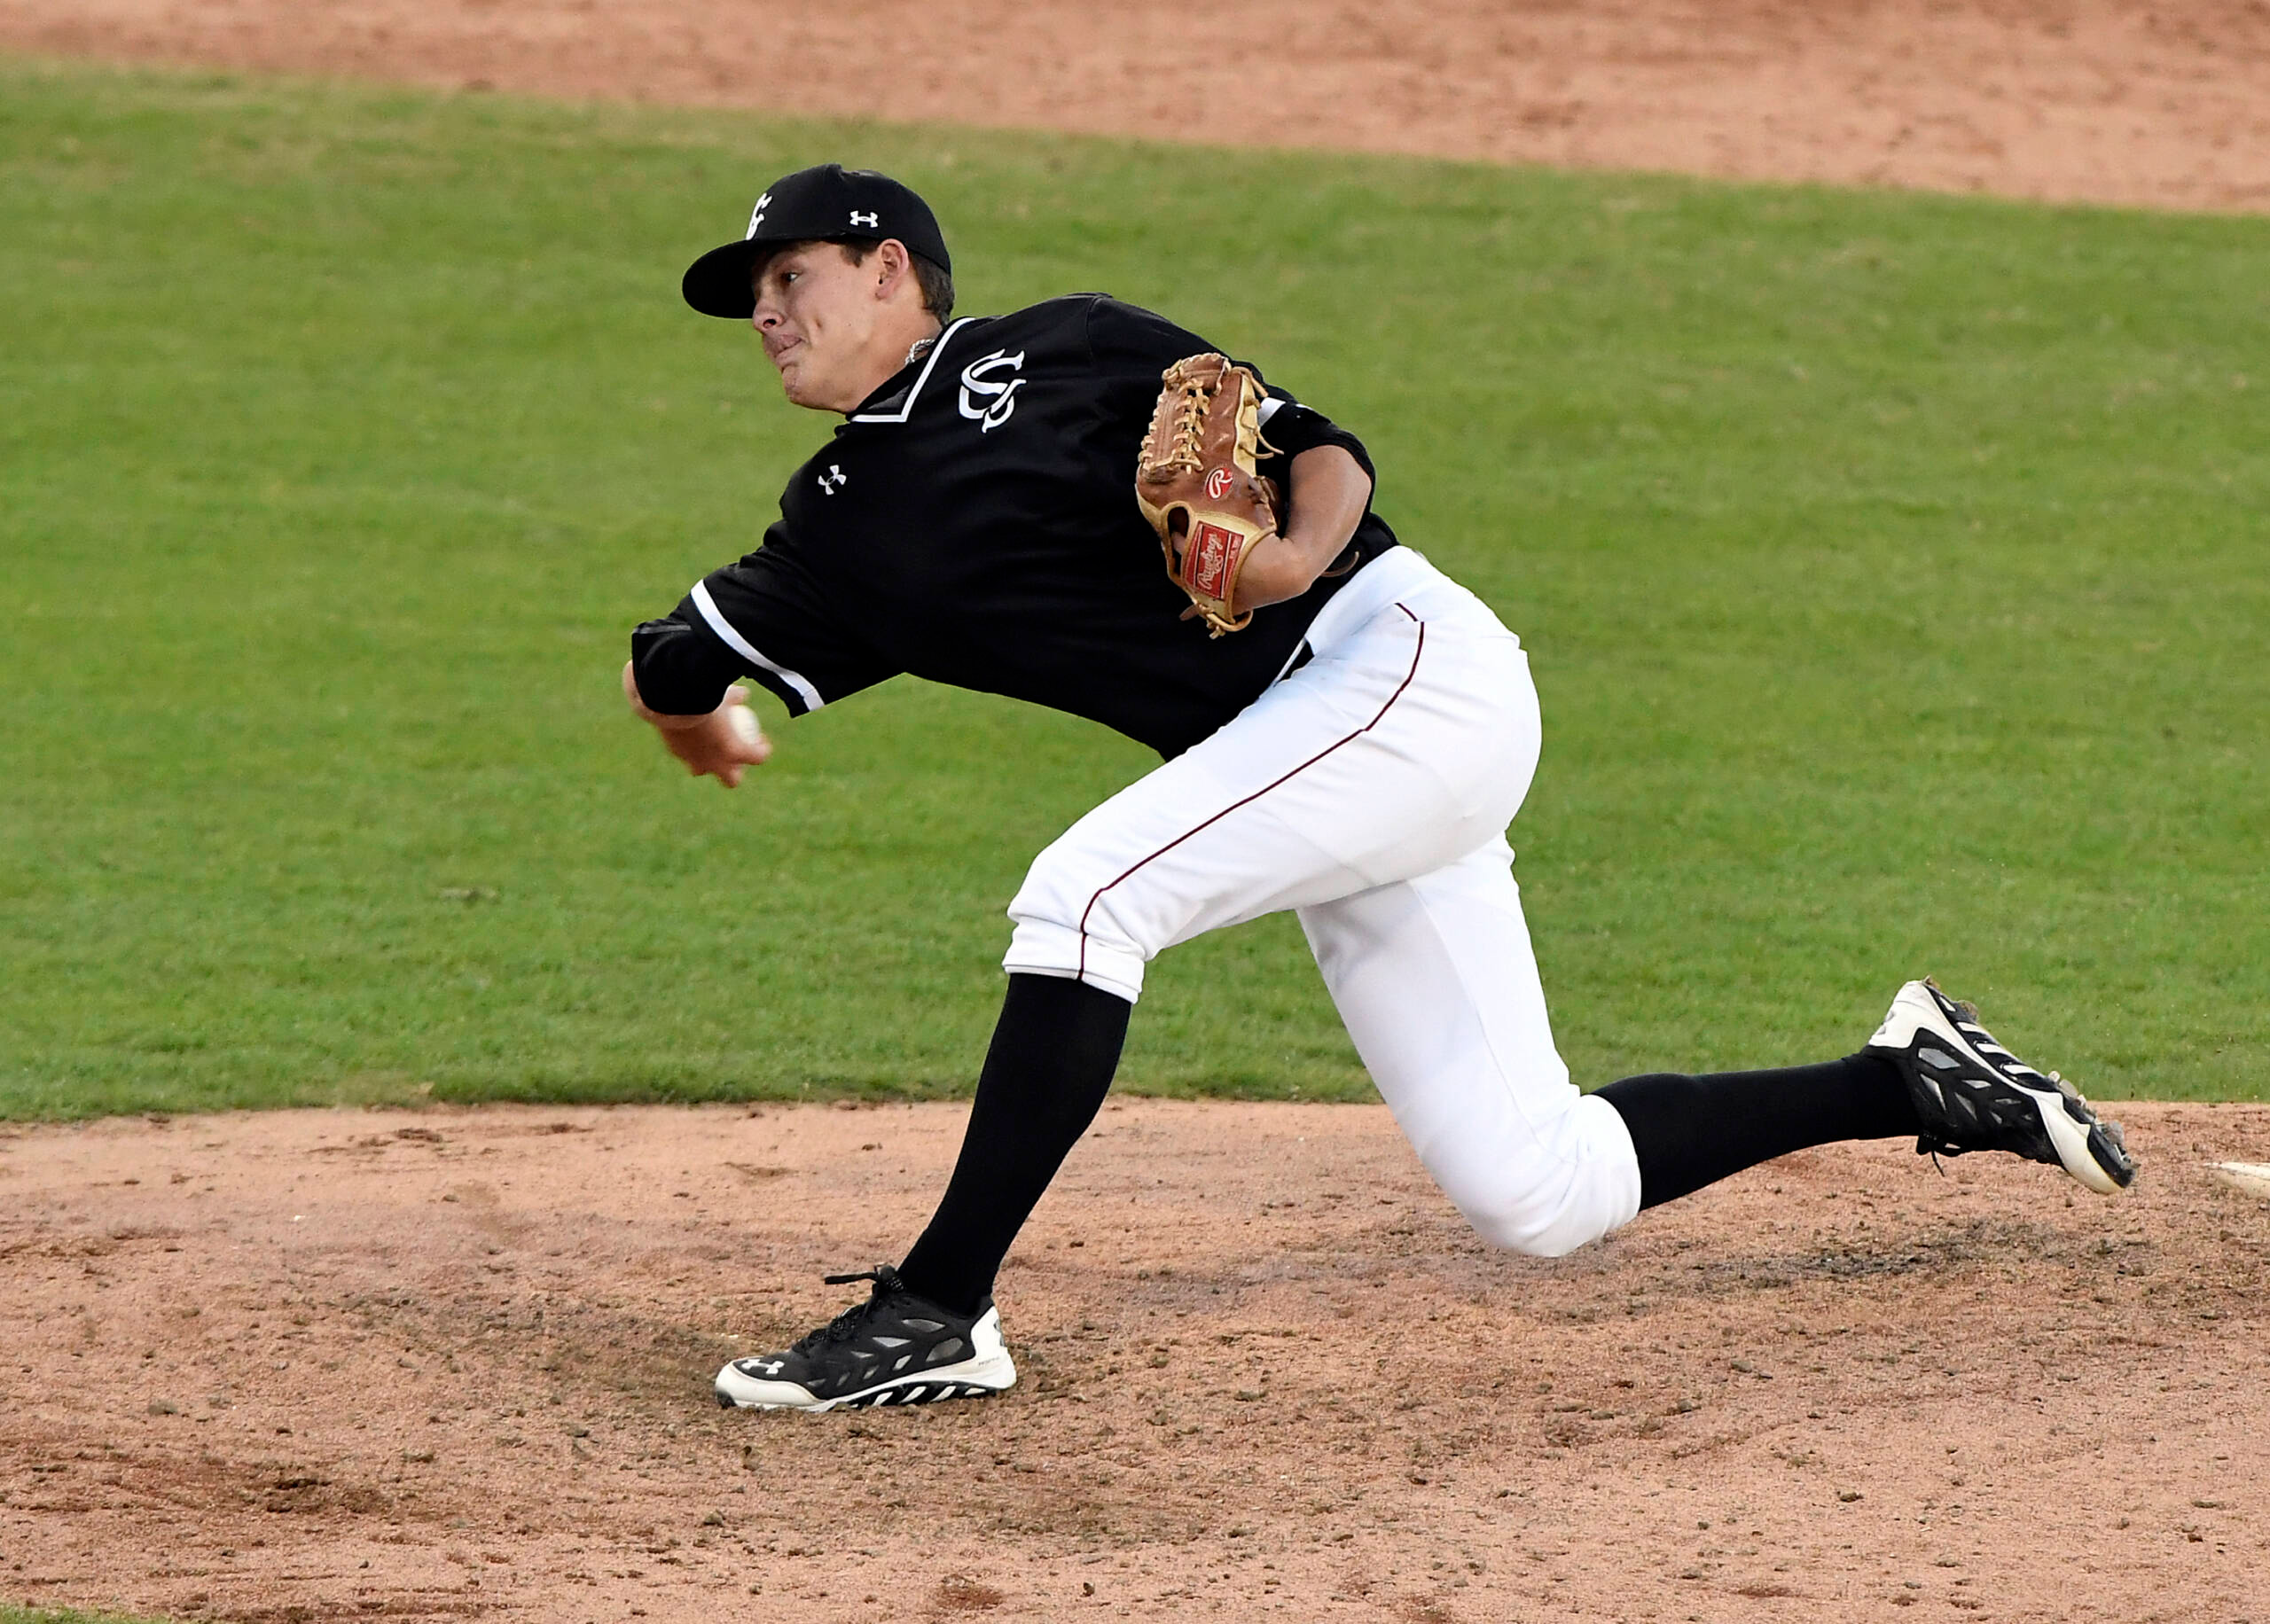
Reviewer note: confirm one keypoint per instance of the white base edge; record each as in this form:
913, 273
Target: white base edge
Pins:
2248, 1178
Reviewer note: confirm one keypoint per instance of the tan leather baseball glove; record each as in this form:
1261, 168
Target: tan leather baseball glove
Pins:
1195, 482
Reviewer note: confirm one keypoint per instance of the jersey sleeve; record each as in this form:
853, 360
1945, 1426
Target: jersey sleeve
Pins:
763, 617
1132, 342
1291, 428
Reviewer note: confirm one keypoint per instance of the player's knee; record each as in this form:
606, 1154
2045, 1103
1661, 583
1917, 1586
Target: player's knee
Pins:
1547, 1215
1552, 1182
1066, 889
1052, 892
1552, 1243
1067, 925
1557, 1235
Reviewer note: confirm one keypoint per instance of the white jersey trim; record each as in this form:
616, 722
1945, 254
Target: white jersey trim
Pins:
1269, 408
742, 646
907, 410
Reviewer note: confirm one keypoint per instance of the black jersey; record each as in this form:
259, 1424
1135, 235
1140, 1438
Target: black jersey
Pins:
974, 522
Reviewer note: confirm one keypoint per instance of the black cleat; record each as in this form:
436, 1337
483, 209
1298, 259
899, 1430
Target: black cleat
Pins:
1974, 1095
893, 1348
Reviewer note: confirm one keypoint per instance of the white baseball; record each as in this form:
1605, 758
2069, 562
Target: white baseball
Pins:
743, 721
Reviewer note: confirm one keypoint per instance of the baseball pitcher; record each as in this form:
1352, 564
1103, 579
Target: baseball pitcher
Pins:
1084, 506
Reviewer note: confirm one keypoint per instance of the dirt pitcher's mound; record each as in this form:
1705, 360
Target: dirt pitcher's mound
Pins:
2163, 102
450, 1364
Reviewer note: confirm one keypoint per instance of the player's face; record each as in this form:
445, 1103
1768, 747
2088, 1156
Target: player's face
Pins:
818, 314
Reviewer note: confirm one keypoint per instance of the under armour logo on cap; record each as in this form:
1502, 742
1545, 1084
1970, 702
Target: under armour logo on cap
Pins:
868, 218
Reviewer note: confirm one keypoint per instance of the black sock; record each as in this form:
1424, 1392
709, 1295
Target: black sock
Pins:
1046, 1077
1693, 1131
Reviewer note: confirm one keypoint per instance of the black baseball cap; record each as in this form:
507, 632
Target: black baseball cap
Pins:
827, 204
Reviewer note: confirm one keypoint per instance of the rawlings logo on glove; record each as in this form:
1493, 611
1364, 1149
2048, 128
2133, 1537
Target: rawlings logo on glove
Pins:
1196, 484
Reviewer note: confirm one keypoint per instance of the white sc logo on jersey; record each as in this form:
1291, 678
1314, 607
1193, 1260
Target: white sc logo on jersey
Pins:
988, 397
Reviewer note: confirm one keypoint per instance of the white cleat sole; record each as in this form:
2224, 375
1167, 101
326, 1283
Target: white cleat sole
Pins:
970, 1379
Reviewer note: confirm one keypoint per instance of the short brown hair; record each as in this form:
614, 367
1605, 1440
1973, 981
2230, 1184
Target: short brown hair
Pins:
937, 283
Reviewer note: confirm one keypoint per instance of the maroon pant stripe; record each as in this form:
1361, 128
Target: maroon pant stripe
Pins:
1416, 652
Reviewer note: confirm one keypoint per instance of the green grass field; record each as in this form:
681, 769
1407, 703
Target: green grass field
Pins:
1895, 570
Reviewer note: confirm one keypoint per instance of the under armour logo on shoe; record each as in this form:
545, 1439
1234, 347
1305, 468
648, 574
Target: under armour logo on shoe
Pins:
859, 219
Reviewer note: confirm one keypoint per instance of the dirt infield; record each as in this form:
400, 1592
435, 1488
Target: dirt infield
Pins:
2159, 102
454, 1364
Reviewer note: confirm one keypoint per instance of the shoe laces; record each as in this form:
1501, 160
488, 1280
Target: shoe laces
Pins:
1968, 1013
847, 1325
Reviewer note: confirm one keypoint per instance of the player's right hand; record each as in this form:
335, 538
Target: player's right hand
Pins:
722, 744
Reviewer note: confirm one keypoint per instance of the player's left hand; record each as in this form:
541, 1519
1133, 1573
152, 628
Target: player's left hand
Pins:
722, 744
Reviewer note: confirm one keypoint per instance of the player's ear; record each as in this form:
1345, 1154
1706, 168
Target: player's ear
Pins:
893, 263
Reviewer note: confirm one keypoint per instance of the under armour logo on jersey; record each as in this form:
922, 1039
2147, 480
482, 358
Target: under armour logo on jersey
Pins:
859, 219
833, 480
756, 216
987, 400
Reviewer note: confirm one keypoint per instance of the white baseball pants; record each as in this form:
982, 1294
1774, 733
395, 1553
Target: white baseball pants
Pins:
1369, 790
